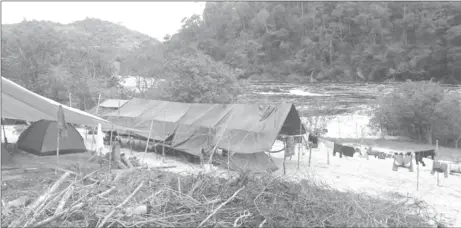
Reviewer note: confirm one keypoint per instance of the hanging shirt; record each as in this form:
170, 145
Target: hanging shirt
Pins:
290, 147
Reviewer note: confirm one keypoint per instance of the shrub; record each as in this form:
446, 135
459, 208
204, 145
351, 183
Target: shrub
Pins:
419, 110
193, 77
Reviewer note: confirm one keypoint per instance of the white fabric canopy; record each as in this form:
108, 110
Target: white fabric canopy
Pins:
20, 103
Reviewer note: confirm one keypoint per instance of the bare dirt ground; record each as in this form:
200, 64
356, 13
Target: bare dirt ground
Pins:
368, 177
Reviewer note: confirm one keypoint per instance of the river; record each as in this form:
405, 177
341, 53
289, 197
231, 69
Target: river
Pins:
344, 109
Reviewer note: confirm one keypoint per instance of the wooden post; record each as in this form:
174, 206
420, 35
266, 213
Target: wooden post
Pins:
164, 131
284, 170
417, 176
299, 152
70, 100
97, 112
310, 153
57, 146
129, 143
300, 133
437, 159
339, 129
284, 155
148, 137
110, 146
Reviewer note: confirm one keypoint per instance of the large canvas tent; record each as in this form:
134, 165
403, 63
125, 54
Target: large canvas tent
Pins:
108, 106
239, 128
40, 139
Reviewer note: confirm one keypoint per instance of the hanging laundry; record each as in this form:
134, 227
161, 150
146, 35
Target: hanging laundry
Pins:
290, 147
314, 139
348, 151
440, 167
419, 155
99, 140
337, 149
404, 161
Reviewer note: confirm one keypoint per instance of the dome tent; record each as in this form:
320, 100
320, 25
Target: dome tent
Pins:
40, 139
7, 160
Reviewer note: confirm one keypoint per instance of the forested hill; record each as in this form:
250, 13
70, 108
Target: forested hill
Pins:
337, 41
54, 59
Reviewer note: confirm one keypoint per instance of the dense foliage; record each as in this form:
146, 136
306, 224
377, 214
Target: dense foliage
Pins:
294, 41
339, 41
80, 58
421, 110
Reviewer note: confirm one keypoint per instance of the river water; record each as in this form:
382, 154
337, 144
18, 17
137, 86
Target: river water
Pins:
343, 109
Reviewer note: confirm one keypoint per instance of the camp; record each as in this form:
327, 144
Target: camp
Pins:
246, 130
40, 139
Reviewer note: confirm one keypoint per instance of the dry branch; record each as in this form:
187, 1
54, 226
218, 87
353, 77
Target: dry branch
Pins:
120, 205
55, 217
220, 206
40, 200
63, 200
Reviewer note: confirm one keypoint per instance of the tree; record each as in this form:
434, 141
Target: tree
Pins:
420, 110
195, 78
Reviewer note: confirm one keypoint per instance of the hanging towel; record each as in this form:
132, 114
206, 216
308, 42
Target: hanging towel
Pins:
99, 140
404, 161
290, 147
440, 167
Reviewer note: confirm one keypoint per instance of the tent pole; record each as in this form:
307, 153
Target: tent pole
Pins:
129, 143
148, 138
4, 133
164, 138
57, 148
219, 139
111, 149
70, 100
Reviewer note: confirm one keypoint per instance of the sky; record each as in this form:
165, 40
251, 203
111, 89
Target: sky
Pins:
155, 19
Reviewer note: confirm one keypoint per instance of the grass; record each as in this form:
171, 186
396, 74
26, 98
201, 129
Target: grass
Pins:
173, 200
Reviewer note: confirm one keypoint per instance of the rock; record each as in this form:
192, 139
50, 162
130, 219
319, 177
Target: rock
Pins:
20, 202
139, 210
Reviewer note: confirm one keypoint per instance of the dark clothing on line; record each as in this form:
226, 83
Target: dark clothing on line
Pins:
419, 155
348, 151
440, 168
337, 149
313, 139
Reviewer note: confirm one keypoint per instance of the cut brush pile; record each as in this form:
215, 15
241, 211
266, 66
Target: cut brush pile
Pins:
142, 197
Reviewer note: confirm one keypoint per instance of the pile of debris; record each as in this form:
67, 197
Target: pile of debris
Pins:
143, 197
